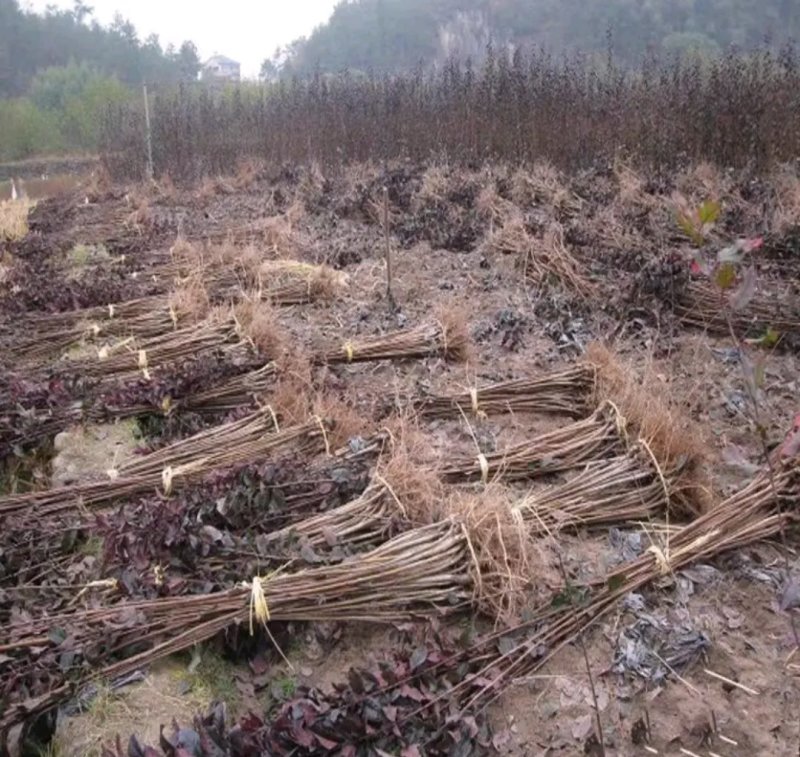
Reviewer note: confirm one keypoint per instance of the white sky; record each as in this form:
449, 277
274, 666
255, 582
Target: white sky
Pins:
246, 30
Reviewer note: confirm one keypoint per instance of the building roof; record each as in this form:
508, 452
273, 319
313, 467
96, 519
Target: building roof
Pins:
221, 60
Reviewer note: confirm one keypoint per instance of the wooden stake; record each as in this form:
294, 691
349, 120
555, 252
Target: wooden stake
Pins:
388, 251
148, 134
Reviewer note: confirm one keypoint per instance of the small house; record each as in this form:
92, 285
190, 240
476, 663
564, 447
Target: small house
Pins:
222, 69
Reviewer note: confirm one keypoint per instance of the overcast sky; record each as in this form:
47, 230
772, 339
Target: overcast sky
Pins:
247, 30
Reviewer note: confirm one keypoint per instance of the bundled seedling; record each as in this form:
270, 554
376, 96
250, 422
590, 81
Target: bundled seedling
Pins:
702, 306
760, 511
625, 489
130, 357
447, 338
202, 538
569, 392
426, 569
171, 467
291, 282
600, 435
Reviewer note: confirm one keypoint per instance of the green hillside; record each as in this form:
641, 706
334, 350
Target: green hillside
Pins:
394, 35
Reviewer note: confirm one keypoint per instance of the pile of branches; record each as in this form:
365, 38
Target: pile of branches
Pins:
568, 447
39, 336
183, 397
756, 513
437, 690
174, 466
279, 282
131, 357
291, 282
567, 392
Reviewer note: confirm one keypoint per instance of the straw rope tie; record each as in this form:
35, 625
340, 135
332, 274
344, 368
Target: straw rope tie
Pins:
142, 360
258, 603
349, 351
661, 560
103, 583
274, 418
484, 463
166, 479
324, 435
473, 395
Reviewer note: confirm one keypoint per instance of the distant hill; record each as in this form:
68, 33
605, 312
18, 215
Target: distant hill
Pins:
397, 35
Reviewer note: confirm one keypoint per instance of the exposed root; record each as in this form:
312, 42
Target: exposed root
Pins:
499, 544
258, 326
651, 415
541, 259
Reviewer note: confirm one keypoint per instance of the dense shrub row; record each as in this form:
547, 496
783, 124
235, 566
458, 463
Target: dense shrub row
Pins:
737, 110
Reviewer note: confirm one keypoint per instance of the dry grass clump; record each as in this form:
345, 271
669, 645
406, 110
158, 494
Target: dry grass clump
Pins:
14, 219
668, 434
289, 399
247, 172
631, 187
186, 253
344, 420
614, 232
434, 185
206, 189
786, 213
275, 233
543, 185
258, 325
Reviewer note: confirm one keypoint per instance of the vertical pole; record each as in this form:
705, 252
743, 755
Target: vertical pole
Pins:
388, 253
150, 171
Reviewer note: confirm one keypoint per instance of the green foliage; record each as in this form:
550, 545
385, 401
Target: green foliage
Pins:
725, 275
30, 42
65, 111
53, 87
26, 130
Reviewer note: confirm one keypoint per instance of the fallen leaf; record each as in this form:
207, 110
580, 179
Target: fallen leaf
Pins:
790, 595
500, 739
582, 727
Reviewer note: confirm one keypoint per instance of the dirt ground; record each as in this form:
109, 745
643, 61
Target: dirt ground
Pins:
741, 696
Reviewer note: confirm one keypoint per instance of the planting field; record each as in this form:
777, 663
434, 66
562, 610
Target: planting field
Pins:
412, 460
